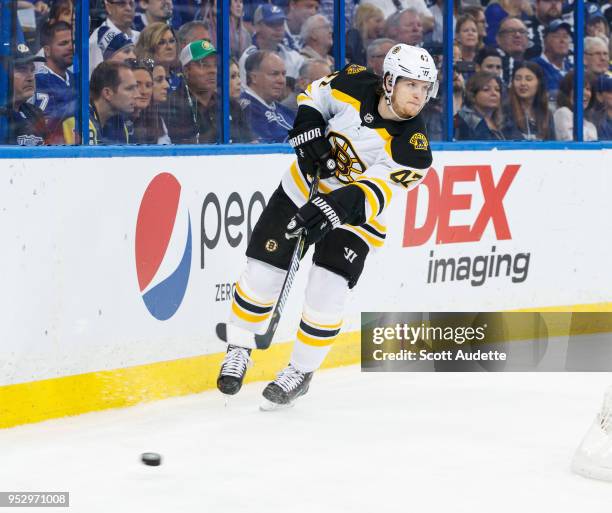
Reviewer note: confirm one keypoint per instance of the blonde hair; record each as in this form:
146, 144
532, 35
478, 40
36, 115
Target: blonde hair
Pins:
149, 39
362, 15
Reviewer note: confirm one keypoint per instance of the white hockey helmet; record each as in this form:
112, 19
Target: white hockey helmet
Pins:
411, 62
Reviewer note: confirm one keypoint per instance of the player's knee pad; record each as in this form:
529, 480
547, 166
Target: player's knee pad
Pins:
255, 294
343, 253
268, 242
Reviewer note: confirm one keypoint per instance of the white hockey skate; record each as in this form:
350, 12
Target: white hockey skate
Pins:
593, 458
282, 393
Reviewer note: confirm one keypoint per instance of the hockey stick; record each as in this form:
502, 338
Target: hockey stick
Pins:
264, 341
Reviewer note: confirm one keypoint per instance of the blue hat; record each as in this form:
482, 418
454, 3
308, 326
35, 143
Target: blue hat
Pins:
604, 83
269, 14
593, 13
555, 25
111, 41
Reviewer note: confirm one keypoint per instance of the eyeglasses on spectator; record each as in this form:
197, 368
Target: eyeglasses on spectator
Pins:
520, 32
122, 3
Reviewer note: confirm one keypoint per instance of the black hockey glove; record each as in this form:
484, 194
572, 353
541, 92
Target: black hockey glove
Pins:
313, 150
318, 217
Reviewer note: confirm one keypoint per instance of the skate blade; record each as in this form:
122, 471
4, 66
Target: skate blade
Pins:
270, 406
592, 471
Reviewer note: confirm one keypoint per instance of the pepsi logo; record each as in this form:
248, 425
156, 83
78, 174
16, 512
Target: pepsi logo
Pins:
163, 247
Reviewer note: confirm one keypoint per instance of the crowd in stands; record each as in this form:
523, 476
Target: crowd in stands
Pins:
153, 67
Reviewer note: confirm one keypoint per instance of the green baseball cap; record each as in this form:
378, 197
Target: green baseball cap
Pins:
196, 51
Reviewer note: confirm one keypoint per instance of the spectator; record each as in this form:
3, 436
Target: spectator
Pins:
436, 36
158, 43
153, 11
298, 11
185, 11
55, 85
477, 12
240, 39
192, 31
264, 90
554, 61
433, 112
120, 15
405, 27
115, 46
376, 52
596, 23
112, 92
392, 7
369, 25
467, 37
61, 10
596, 55
490, 60
527, 116
208, 14
317, 39
546, 11
26, 122
458, 82
160, 84
143, 73
604, 96
240, 130
269, 22
326, 8
497, 11
481, 118
564, 116
194, 114
150, 128
512, 41
311, 70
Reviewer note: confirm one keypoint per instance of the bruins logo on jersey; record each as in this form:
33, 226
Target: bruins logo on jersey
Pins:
349, 164
355, 68
419, 141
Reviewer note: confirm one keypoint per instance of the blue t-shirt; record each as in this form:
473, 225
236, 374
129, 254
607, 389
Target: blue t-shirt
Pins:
55, 96
269, 122
552, 75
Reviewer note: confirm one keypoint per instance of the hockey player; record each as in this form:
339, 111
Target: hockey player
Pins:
366, 138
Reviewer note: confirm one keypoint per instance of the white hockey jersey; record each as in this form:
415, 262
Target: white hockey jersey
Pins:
375, 154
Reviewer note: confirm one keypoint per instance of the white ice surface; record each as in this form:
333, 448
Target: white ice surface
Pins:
406, 442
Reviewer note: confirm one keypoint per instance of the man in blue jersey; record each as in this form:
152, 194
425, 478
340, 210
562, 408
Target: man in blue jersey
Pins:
26, 122
269, 24
55, 85
265, 88
554, 61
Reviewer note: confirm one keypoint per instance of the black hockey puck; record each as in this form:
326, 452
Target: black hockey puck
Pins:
151, 458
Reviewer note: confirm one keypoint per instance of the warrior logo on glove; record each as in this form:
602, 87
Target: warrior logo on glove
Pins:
318, 217
313, 150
